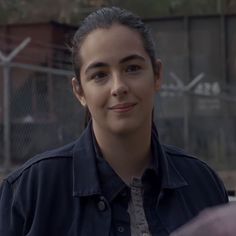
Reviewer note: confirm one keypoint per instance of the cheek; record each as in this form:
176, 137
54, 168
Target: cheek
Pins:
95, 97
148, 94
147, 88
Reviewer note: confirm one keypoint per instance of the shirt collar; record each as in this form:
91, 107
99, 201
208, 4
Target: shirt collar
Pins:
85, 175
109, 188
90, 172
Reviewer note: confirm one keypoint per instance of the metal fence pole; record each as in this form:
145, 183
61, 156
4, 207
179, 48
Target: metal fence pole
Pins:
6, 101
186, 121
6, 117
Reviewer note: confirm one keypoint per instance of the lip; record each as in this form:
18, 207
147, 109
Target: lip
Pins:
122, 107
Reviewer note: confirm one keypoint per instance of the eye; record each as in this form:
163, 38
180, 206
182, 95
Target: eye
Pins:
133, 68
99, 76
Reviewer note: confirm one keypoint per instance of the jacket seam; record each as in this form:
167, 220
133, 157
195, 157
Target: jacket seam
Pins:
12, 178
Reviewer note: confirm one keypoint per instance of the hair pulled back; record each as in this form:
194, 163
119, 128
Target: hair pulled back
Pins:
105, 18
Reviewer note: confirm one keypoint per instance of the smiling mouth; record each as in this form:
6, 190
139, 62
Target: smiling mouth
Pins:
125, 107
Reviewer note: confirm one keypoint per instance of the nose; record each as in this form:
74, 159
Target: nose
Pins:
119, 87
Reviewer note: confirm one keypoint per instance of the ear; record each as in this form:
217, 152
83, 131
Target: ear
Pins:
158, 74
78, 91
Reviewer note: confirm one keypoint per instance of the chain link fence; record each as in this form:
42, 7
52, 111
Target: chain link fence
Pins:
42, 112
204, 125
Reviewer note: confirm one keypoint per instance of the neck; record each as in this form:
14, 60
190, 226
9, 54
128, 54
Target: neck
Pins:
127, 154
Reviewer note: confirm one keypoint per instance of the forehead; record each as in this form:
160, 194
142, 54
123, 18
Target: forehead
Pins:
109, 45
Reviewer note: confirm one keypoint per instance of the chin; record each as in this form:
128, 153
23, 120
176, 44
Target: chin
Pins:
124, 128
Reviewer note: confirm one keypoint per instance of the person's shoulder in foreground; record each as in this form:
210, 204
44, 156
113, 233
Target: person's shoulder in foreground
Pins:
216, 221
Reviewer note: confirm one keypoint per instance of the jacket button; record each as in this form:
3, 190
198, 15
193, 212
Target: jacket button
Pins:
120, 229
101, 204
124, 193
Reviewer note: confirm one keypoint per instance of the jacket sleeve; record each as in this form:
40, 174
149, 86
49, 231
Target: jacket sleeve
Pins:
11, 221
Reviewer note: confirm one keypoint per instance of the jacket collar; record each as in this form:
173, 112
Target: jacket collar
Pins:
85, 174
171, 178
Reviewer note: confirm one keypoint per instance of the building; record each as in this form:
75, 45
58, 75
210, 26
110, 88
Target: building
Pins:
39, 94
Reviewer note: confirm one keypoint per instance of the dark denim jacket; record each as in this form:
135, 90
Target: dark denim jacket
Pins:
58, 193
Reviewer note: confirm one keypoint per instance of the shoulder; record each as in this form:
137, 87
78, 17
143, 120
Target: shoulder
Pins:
47, 162
187, 164
199, 175
181, 159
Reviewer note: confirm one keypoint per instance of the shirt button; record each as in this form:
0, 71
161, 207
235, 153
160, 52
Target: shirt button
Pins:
101, 204
120, 229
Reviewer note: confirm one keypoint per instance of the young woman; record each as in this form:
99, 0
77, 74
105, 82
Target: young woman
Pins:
116, 179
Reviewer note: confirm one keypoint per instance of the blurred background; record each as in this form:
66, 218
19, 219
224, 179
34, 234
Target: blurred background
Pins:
195, 110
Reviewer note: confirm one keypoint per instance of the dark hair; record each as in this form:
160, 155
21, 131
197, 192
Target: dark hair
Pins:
105, 18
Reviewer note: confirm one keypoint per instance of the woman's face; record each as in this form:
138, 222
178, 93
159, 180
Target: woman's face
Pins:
117, 80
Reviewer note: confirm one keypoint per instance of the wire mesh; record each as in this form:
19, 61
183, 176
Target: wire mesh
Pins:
208, 124
44, 113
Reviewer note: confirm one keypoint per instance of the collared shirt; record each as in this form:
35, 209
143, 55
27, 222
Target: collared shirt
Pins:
129, 198
138, 220
61, 193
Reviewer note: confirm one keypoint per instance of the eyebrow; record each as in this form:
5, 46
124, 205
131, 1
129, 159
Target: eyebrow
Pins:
123, 60
132, 57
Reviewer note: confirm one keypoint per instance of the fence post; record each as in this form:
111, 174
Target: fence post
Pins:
6, 117
186, 89
6, 101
